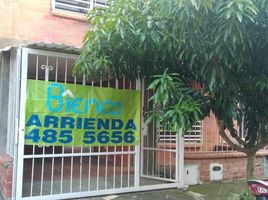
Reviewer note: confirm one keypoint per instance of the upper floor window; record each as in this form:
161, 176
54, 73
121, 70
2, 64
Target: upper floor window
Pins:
77, 6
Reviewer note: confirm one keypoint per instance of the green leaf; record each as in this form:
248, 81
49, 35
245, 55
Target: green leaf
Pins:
229, 14
239, 16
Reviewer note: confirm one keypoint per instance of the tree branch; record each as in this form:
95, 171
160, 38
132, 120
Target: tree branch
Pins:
259, 146
238, 139
227, 139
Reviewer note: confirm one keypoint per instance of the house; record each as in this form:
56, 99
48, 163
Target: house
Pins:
39, 42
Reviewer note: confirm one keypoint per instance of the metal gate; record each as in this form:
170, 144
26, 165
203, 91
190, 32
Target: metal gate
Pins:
53, 172
162, 149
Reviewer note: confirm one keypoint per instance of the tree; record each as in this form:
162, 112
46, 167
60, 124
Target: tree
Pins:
221, 45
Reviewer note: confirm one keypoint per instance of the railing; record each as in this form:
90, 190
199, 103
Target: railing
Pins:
78, 6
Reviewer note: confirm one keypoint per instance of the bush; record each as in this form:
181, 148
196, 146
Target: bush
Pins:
241, 196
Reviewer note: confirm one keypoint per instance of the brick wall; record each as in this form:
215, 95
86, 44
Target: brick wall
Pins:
6, 171
33, 21
234, 164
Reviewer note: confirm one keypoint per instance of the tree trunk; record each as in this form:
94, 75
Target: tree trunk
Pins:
250, 165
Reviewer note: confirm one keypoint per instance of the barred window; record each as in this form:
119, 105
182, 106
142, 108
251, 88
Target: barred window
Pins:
194, 135
78, 6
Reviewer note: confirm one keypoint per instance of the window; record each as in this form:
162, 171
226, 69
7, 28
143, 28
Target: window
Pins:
194, 135
78, 6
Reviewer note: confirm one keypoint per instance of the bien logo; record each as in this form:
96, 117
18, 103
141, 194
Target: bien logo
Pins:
56, 103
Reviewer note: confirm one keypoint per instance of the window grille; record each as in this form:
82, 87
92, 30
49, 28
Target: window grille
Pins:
194, 135
78, 6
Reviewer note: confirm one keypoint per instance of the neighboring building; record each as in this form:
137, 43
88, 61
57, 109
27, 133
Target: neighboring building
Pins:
40, 40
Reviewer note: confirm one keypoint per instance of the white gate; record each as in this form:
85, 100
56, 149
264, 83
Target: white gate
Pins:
162, 150
52, 172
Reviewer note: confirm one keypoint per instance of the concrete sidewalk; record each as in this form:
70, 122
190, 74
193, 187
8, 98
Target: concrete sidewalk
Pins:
171, 194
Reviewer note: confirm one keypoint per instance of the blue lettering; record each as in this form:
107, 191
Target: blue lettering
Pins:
34, 121
56, 103
130, 125
117, 124
117, 108
79, 123
52, 99
103, 124
75, 105
110, 107
89, 123
67, 121
90, 102
53, 120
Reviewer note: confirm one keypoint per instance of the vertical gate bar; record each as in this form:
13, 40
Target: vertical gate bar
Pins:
71, 170
72, 158
116, 83
206, 140
81, 158
122, 147
164, 165
106, 168
56, 70
99, 149
115, 148
143, 127
98, 169
80, 175
42, 173
63, 148
129, 149
137, 150
121, 170
158, 157
16, 107
128, 156
84, 79
47, 68
153, 161
179, 166
65, 70
90, 148
89, 170
32, 176
52, 171
33, 160
114, 167
195, 129
170, 153
107, 149
53, 148
36, 67
20, 150
128, 167
61, 174
147, 135
218, 142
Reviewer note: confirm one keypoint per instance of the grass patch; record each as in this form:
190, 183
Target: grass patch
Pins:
220, 190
